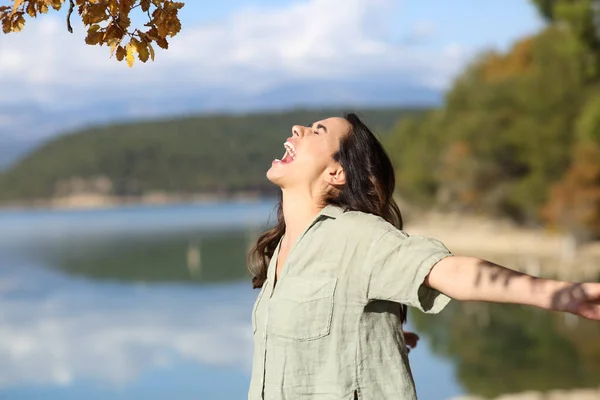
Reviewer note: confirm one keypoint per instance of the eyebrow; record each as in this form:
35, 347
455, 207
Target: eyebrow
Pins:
319, 126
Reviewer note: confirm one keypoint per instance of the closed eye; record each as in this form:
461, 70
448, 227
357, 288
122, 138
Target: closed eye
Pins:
319, 126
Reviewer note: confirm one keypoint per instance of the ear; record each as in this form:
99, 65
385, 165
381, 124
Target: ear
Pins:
336, 176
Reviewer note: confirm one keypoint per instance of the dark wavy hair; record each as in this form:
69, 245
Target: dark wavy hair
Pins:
369, 188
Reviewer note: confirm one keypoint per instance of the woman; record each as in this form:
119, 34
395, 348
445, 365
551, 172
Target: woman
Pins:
337, 272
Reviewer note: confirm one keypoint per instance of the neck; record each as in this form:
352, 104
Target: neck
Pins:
298, 212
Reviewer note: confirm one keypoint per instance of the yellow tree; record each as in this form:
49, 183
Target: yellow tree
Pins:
574, 203
108, 22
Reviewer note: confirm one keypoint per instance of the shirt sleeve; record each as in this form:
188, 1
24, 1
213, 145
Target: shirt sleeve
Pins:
396, 267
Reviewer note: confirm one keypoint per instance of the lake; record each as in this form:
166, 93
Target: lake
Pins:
154, 302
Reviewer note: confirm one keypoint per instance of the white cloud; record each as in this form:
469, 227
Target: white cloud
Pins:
250, 52
57, 329
113, 334
422, 30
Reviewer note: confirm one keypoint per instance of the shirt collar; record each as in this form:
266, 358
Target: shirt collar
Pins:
331, 211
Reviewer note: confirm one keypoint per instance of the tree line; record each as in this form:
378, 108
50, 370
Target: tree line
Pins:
215, 154
519, 133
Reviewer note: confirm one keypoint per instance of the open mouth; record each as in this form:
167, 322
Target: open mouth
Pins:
289, 155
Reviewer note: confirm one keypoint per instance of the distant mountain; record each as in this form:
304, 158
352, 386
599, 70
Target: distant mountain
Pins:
221, 154
40, 121
327, 93
33, 124
12, 150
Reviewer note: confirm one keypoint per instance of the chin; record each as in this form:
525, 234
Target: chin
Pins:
275, 177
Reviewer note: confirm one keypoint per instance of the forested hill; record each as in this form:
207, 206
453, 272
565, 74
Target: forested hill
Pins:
199, 154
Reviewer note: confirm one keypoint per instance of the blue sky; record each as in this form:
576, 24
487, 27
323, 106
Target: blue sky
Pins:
237, 55
468, 22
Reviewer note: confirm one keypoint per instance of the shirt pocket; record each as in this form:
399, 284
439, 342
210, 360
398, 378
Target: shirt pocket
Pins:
303, 308
256, 304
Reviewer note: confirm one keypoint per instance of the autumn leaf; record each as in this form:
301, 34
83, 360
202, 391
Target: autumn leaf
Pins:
107, 22
151, 51
162, 42
57, 4
152, 33
94, 13
130, 56
124, 22
31, 9
145, 5
18, 23
113, 47
113, 34
42, 8
121, 53
6, 25
114, 7
94, 36
143, 52
16, 6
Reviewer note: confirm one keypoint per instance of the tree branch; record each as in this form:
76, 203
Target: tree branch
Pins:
71, 7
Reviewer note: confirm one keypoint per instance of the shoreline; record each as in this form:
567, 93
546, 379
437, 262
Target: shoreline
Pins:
557, 394
535, 251
106, 202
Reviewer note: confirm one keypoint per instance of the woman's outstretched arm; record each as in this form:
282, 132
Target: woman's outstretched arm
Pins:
475, 279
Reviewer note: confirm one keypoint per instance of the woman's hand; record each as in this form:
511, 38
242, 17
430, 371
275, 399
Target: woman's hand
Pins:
581, 299
411, 340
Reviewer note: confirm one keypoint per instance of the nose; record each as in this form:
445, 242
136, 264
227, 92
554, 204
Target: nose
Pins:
298, 130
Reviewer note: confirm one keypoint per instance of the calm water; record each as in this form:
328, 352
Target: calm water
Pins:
155, 303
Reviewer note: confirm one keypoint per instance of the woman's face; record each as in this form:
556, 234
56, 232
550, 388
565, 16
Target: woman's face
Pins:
308, 160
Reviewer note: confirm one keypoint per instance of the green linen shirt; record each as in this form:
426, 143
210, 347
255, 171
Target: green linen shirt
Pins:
330, 328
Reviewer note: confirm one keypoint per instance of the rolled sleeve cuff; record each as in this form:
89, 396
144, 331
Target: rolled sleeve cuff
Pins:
424, 298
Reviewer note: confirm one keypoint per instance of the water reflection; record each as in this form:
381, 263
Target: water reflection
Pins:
105, 308
60, 332
189, 257
155, 303
500, 349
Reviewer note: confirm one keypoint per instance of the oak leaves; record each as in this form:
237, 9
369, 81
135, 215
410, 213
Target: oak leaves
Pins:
108, 22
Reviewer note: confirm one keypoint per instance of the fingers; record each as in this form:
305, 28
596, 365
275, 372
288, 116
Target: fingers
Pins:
590, 311
411, 339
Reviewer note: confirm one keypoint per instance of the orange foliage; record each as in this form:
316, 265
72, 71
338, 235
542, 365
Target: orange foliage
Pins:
516, 62
457, 172
108, 23
574, 202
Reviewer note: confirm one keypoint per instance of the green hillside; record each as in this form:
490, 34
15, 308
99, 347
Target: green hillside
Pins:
198, 154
